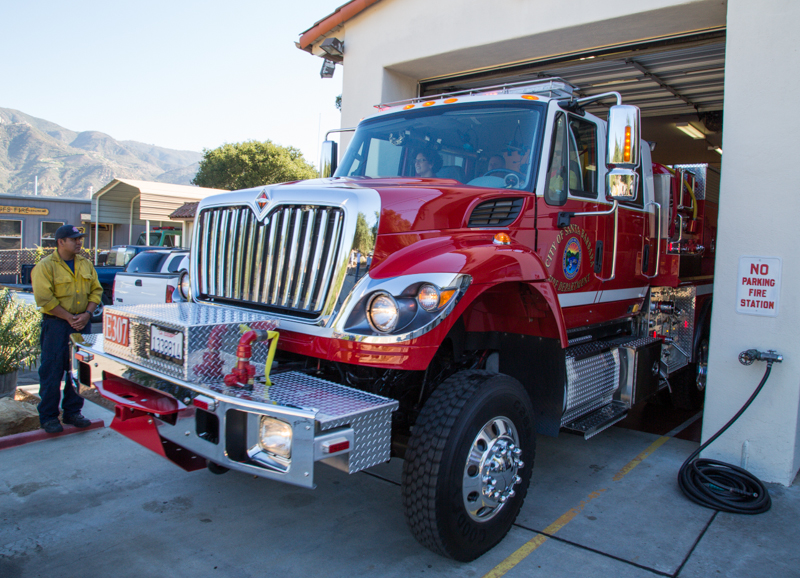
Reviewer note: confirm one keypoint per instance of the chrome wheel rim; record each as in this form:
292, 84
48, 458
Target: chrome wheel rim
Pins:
491, 470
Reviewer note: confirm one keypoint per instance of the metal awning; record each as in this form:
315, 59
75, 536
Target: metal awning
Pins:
128, 202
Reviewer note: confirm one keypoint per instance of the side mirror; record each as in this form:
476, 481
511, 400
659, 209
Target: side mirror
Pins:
329, 158
623, 152
624, 138
622, 184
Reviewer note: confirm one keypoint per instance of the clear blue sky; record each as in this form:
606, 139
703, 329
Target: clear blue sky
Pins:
177, 74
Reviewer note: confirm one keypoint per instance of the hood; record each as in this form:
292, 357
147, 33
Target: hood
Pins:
417, 205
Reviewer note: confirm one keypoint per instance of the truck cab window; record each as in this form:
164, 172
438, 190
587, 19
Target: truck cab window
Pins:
488, 145
582, 157
555, 186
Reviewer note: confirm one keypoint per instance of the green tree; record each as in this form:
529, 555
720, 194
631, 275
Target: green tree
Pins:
251, 164
364, 239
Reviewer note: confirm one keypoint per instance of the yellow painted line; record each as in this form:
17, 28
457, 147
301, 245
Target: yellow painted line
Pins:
532, 544
640, 458
526, 549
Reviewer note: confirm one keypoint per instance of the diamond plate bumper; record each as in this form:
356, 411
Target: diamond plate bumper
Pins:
321, 415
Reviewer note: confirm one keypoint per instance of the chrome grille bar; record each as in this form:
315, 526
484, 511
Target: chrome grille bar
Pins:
212, 267
312, 217
312, 279
259, 272
248, 262
292, 263
286, 262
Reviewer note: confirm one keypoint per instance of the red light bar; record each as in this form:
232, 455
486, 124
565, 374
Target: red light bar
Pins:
205, 403
335, 446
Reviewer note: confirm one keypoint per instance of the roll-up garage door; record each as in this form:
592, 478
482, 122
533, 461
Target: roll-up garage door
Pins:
669, 76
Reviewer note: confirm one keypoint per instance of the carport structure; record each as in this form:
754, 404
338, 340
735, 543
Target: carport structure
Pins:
129, 202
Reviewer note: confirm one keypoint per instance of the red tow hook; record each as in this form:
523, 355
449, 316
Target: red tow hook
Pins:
243, 375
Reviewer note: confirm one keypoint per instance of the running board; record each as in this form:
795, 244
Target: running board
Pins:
603, 418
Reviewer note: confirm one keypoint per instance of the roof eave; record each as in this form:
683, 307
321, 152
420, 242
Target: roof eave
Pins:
332, 22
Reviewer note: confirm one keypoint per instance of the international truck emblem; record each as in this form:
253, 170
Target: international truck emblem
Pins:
572, 258
262, 200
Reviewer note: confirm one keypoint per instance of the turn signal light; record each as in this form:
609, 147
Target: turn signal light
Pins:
451, 100
429, 103
408, 106
502, 239
530, 97
626, 153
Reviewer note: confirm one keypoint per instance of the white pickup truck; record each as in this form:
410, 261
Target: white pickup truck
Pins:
153, 277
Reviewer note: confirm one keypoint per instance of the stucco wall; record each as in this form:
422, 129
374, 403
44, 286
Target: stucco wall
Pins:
758, 216
395, 43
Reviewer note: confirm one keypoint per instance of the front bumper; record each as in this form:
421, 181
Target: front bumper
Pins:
190, 423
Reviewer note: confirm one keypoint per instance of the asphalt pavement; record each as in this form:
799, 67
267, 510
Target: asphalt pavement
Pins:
96, 504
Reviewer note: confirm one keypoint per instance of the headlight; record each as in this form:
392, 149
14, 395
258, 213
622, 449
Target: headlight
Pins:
184, 286
275, 437
428, 297
382, 312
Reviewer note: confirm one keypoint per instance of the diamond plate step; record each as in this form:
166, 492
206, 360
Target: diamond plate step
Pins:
600, 419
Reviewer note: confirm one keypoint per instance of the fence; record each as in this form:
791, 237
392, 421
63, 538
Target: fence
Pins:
12, 260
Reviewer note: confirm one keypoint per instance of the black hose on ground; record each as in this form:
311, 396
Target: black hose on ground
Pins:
722, 486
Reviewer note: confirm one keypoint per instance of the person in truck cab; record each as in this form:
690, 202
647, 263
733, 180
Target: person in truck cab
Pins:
427, 163
67, 290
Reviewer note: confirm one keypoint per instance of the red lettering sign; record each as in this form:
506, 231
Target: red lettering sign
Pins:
116, 328
759, 286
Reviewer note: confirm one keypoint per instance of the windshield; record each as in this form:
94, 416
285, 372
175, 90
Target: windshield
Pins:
484, 145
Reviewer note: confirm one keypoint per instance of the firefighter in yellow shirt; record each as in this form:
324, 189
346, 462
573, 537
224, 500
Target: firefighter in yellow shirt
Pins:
66, 290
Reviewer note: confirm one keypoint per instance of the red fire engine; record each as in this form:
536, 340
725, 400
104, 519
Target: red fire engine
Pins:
482, 267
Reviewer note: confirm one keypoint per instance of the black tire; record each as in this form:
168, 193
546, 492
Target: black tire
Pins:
448, 464
688, 385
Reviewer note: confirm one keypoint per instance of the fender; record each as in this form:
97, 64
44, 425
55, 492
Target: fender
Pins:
473, 254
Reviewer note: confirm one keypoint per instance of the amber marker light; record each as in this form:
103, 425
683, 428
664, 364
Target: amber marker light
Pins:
429, 103
445, 295
451, 100
626, 153
408, 106
502, 239
530, 97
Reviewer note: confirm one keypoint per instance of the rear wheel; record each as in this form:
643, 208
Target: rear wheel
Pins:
464, 478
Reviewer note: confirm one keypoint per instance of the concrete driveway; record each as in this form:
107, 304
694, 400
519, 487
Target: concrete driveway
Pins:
95, 504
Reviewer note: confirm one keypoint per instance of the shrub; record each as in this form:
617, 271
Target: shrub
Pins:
20, 327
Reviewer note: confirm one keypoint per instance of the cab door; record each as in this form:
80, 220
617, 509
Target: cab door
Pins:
597, 278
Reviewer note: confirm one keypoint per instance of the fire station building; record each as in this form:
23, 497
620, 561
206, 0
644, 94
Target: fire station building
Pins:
707, 76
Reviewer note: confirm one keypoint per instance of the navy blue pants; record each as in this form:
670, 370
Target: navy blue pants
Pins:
55, 362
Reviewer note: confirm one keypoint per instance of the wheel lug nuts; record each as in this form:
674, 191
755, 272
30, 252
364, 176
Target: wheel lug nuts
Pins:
516, 480
486, 478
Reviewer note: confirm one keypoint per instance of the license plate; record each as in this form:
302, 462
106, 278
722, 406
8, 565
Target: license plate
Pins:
166, 344
116, 328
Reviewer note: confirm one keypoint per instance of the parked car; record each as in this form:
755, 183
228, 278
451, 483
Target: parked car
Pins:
162, 237
153, 277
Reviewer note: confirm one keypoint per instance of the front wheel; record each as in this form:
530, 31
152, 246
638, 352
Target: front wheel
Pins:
469, 463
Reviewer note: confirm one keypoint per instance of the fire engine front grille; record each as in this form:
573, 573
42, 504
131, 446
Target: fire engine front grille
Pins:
285, 261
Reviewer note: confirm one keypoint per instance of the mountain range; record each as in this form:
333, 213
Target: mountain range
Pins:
73, 164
